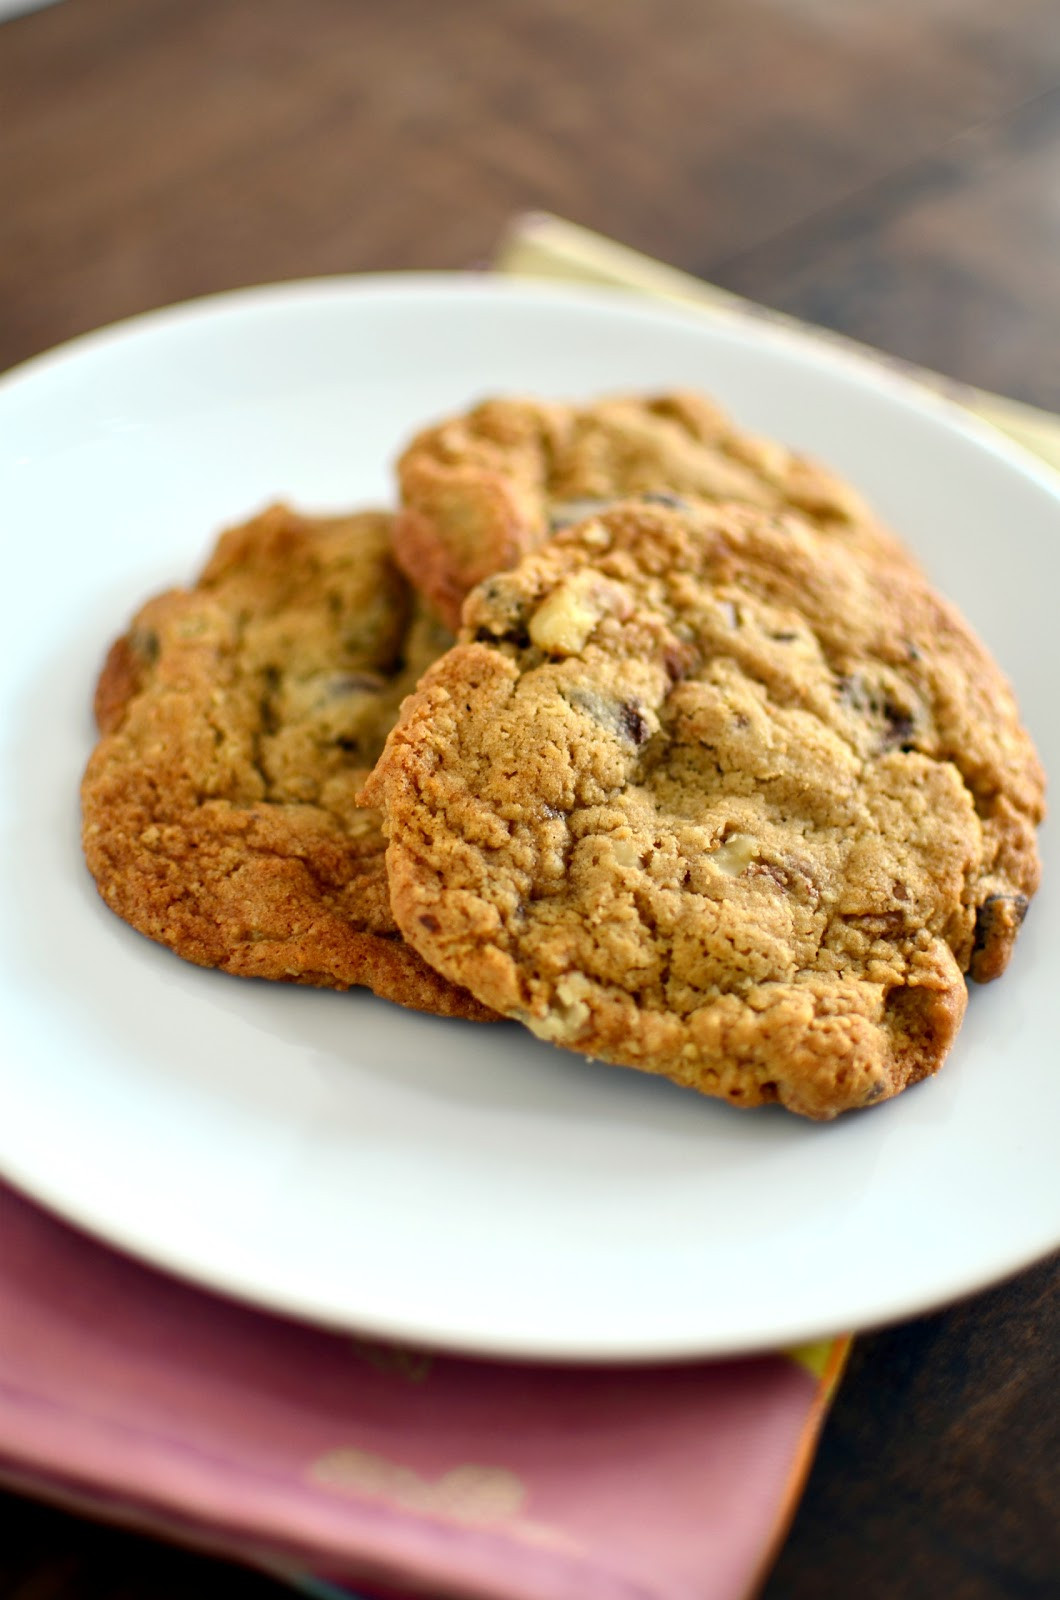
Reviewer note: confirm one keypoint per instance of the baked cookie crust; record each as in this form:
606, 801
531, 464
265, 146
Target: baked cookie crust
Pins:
481, 490
238, 720
705, 792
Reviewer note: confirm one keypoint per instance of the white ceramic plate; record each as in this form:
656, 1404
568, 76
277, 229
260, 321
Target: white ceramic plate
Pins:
333, 1156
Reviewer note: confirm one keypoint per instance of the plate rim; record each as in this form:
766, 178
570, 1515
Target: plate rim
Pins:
537, 1352
825, 347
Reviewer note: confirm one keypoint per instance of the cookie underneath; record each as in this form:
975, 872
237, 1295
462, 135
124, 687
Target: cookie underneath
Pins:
709, 794
238, 721
481, 490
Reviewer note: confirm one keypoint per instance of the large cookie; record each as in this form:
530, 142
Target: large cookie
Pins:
238, 721
479, 491
705, 793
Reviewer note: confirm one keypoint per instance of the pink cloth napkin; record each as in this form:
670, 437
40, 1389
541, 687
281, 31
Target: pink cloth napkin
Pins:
386, 1471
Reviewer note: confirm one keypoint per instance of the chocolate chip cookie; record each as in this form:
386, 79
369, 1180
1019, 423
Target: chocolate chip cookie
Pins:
479, 491
238, 721
709, 794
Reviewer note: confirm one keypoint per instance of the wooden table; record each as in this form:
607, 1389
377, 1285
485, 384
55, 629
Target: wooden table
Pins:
892, 170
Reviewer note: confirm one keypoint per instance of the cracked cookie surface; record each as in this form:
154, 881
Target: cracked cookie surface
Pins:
707, 794
481, 490
238, 720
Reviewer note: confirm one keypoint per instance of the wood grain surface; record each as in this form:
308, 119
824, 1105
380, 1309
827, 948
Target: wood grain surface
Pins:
892, 170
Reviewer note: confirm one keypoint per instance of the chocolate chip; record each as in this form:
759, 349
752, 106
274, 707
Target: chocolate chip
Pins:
503, 612
870, 701
633, 722
625, 718
793, 878
900, 728
999, 914
430, 923
516, 636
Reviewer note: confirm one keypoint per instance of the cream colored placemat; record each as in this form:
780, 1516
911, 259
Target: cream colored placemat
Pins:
537, 245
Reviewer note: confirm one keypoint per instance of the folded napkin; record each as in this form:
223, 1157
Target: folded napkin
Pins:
388, 1471
382, 1470
538, 245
